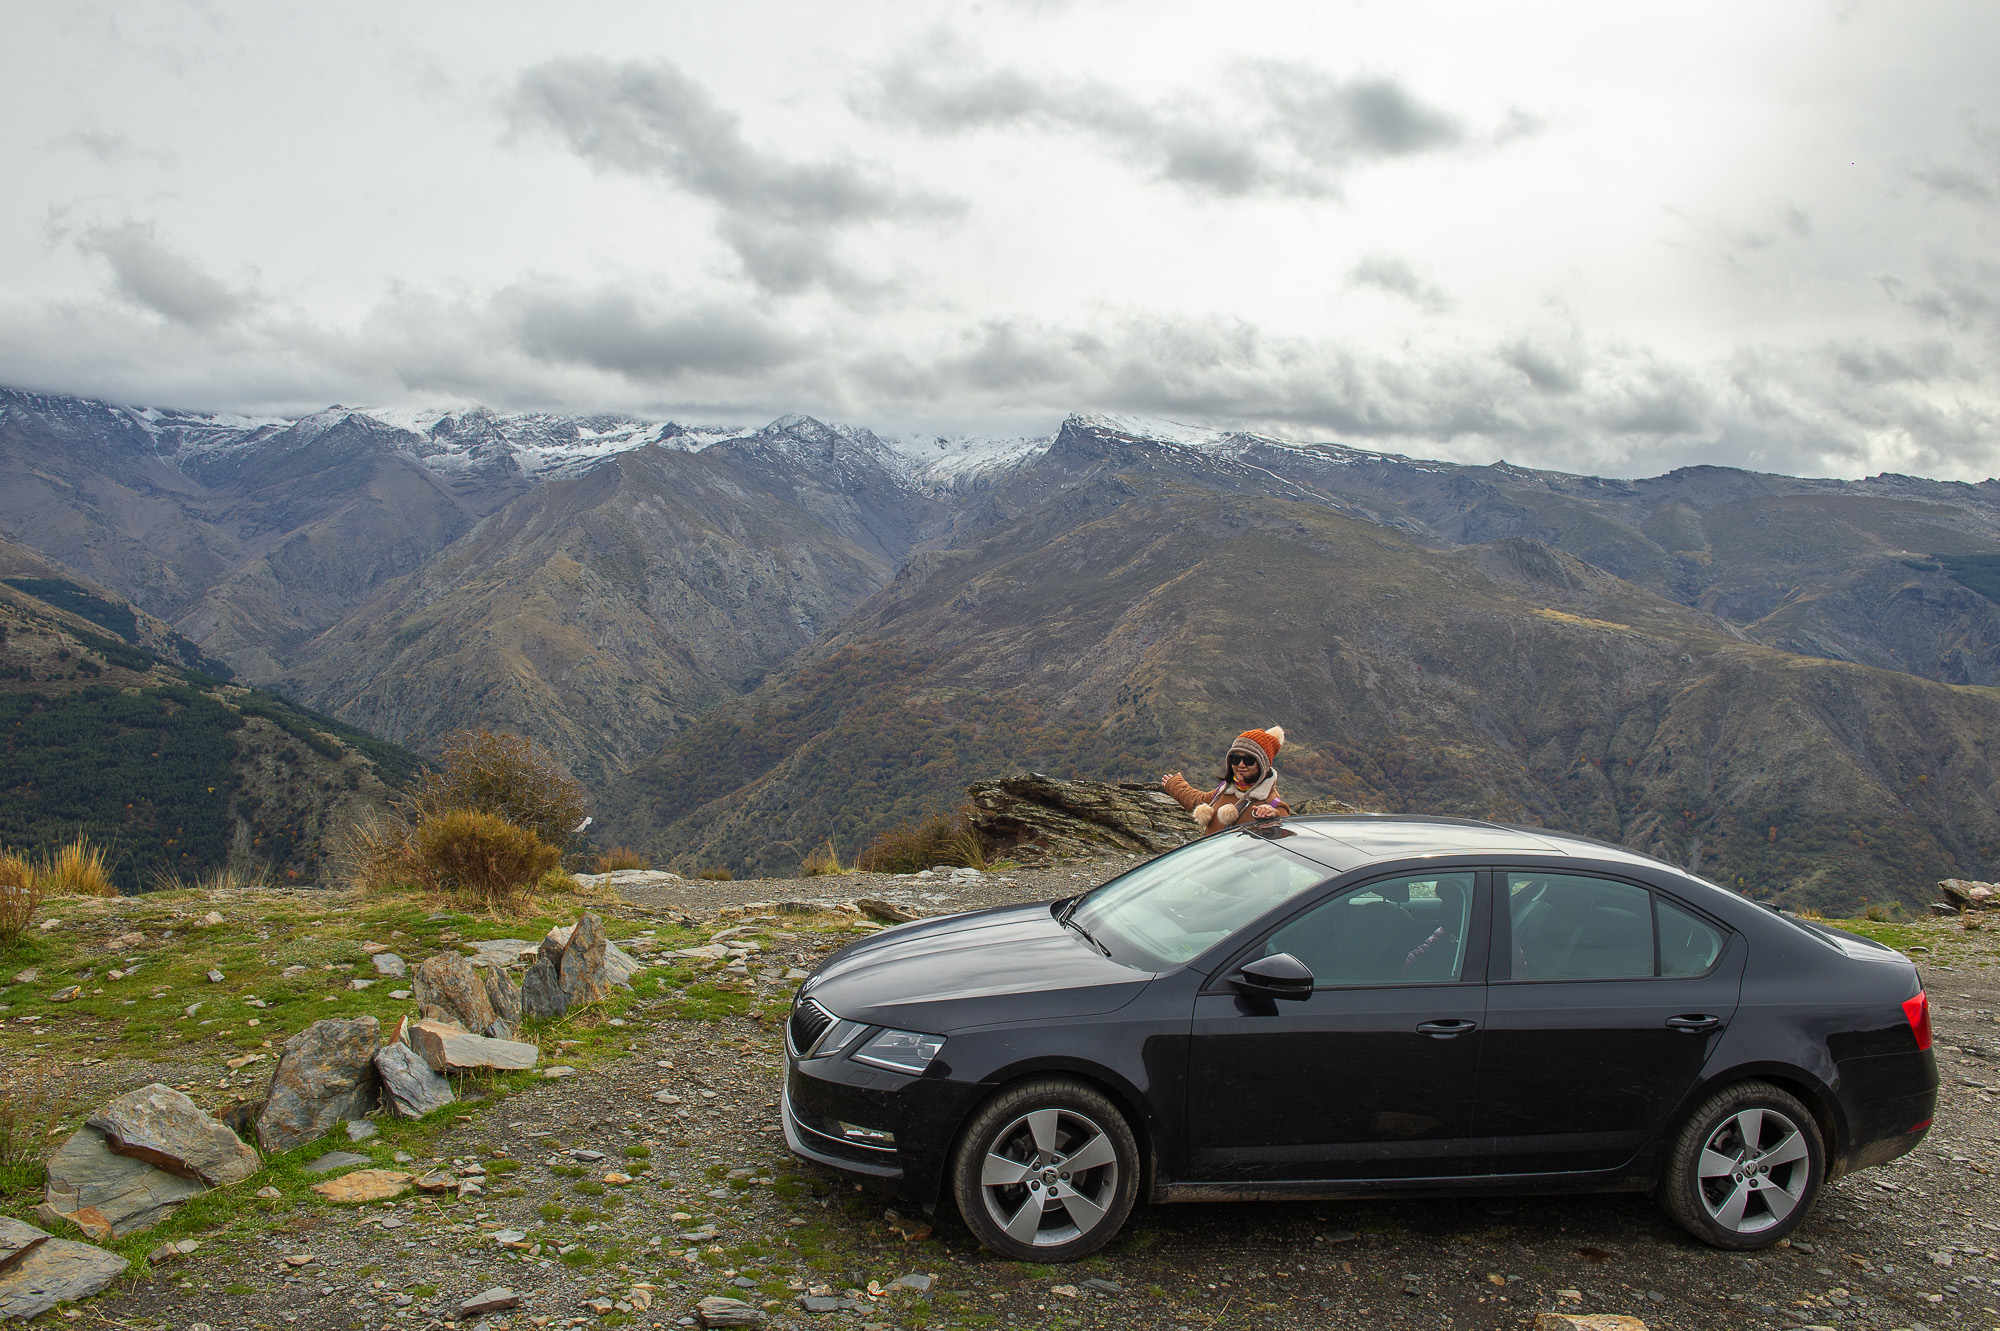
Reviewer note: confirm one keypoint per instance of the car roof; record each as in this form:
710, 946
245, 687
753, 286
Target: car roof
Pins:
1352, 840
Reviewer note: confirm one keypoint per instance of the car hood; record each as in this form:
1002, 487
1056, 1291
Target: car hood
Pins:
1012, 963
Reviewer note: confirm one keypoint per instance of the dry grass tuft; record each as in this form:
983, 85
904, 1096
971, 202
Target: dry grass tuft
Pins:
75, 870
717, 874
620, 857
941, 839
229, 878
20, 896
823, 861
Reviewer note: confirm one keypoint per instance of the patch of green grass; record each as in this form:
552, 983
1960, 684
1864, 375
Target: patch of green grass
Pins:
566, 1171
551, 1212
422, 1291
582, 1215
1902, 937
578, 1260
589, 1189
638, 1153
239, 1288
502, 1165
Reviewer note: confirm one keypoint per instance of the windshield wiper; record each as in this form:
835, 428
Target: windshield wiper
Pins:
1087, 935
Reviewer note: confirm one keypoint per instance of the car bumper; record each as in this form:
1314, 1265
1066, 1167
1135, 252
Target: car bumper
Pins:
823, 1098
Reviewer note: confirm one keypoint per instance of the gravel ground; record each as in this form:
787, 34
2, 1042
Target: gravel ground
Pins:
1907, 1245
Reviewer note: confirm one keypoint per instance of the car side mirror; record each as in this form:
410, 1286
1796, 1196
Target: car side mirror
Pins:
1279, 976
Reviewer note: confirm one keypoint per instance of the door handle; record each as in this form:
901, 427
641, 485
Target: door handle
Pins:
1699, 1021
1444, 1030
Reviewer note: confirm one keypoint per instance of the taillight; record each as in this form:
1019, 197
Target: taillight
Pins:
1918, 1010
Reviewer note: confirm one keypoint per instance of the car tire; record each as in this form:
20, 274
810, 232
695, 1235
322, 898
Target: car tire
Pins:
1746, 1168
1012, 1179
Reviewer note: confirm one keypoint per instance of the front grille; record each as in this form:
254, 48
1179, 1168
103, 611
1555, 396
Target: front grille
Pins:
809, 1022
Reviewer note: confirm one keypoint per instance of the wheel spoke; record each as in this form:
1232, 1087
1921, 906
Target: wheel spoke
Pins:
1730, 1214
1714, 1164
1774, 1190
1750, 1123
999, 1171
1097, 1151
1042, 1123
1082, 1210
1021, 1228
1792, 1147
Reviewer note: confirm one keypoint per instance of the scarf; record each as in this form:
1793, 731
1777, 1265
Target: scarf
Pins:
1257, 794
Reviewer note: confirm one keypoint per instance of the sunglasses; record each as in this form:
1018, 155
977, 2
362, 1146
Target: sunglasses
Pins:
1242, 760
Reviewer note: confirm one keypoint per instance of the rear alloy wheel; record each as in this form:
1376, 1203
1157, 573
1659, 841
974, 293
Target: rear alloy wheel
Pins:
1046, 1172
1747, 1167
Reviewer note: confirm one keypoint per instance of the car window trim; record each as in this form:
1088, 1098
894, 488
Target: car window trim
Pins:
1500, 951
1479, 926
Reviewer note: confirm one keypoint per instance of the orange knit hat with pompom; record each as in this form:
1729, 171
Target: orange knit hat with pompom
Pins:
1260, 744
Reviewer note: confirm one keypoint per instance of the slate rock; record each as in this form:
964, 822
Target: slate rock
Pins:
325, 1076
360, 1129
502, 994
365, 1185
541, 988
888, 912
449, 989
500, 952
410, 1088
333, 1160
490, 1301
56, 1271
18, 1238
446, 1048
108, 1195
583, 977
815, 1303
1587, 1322
388, 963
161, 1126
718, 1311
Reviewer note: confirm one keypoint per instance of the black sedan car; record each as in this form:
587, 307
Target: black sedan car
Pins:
1356, 1007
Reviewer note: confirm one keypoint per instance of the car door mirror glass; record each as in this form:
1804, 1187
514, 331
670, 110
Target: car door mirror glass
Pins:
1278, 976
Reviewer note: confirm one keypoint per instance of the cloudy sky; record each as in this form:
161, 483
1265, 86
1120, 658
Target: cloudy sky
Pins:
1610, 238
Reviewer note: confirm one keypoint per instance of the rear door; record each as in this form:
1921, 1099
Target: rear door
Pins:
1604, 1001
1372, 1076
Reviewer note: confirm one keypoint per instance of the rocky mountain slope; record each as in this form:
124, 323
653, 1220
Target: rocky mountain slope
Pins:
110, 728
1705, 663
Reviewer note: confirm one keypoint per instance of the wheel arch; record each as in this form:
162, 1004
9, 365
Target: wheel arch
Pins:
1818, 1098
1126, 1098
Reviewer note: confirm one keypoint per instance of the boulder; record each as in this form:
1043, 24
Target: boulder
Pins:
446, 1048
325, 1076
541, 988
504, 996
449, 989
1032, 817
410, 1088
50, 1271
583, 977
1966, 894
888, 912
108, 1195
161, 1126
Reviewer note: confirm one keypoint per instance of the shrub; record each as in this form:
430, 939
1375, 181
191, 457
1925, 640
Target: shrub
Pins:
823, 861
20, 894
620, 857
75, 870
508, 776
717, 874
1877, 912
478, 856
938, 839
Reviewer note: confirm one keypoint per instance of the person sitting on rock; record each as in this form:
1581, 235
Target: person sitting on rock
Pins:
1249, 782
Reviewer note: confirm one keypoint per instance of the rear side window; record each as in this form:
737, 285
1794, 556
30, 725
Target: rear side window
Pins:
1571, 927
1688, 946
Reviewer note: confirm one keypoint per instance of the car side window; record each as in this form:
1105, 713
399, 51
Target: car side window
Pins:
1567, 927
1688, 946
1408, 930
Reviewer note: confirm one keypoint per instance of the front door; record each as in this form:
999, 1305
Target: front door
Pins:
1372, 1076
1604, 1003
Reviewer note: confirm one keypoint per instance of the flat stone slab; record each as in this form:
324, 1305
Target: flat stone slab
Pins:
629, 878
108, 1195
501, 952
365, 1185
446, 1049
409, 1085
489, 1301
333, 1160
18, 1238
388, 963
718, 1311
161, 1126
56, 1271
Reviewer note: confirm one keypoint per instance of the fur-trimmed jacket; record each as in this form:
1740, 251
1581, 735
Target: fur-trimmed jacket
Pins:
1227, 795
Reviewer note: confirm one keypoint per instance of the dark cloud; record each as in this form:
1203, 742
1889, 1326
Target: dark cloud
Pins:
649, 119
1955, 181
150, 274
611, 329
1269, 128
1387, 272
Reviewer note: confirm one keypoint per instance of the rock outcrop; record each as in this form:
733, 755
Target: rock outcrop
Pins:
449, 988
1965, 894
446, 1048
573, 967
325, 1076
410, 1087
161, 1126
1033, 818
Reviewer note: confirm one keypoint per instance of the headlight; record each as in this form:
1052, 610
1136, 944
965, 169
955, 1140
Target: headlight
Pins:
838, 1036
900, 1051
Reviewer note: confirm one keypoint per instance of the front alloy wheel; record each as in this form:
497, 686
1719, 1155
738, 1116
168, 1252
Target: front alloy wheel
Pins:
1746, 1168
1047, 1172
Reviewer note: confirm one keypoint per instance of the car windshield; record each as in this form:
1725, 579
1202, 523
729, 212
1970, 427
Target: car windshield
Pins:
1166, 912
